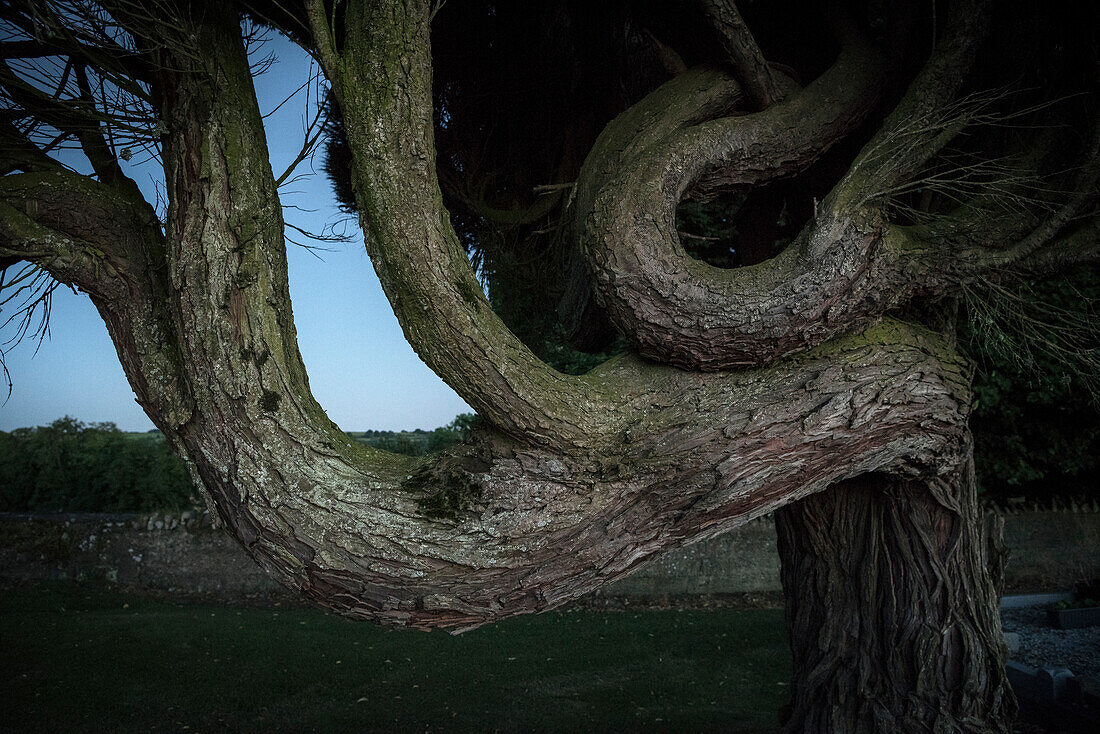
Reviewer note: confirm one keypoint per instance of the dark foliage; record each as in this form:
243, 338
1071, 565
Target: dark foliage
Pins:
1036, 419
69, 466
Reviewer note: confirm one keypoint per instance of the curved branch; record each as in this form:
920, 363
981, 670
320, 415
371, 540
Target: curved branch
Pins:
1079, 246
87, 234
688, 99
384, 87
500, 529
685, 312
1075, 246
1085, 191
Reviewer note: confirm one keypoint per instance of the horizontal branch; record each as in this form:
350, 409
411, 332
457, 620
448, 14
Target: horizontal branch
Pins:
975, 242
497, 528
78, 208
22, 237
67, 259
112, 60
54, 31
1078, 245
548, 200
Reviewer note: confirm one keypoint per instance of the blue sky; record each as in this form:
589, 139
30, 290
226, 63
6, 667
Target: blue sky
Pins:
361, 368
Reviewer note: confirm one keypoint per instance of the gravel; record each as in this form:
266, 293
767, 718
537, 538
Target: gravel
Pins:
1045, 646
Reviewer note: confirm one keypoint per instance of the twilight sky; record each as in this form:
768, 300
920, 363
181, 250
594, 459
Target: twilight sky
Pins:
361, 369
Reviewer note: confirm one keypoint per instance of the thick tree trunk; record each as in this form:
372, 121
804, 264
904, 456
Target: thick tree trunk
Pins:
891, 612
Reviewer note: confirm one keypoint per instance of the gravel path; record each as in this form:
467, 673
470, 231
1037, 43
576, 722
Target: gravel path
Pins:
1042, 645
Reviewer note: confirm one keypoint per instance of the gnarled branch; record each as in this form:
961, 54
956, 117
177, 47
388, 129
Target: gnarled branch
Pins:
679, 310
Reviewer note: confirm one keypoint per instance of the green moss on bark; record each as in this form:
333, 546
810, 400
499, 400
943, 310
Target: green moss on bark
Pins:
269, 402
448, 492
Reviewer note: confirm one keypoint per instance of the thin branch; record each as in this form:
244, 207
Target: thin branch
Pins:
19, 154
760, 84
926, 119
551, 188
324, 38
309, 145
672, 62
319, 236
1029, 330
95, 147
35, 287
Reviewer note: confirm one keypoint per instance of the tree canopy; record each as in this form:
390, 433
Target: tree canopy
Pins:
68, 466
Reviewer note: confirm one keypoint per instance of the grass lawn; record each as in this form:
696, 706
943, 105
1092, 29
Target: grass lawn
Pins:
82, 659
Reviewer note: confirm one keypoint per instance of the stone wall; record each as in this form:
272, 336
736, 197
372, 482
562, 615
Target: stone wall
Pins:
184, 555
1051, 551
179, 553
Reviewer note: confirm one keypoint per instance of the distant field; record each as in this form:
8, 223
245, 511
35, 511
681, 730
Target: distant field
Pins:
412, 443
91, 660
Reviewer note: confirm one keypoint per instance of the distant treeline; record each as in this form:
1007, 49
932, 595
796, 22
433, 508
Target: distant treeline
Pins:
418, 442
70, 466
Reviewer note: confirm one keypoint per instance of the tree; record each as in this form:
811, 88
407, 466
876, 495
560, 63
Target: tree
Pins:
821, 380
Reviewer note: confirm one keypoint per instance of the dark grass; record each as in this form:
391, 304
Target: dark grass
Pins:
87, 659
